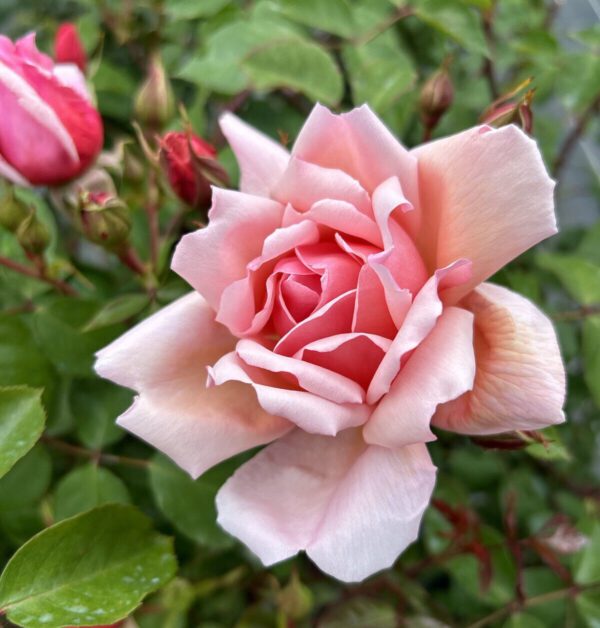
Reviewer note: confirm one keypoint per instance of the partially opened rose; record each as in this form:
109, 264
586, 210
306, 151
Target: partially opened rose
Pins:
49, 130
339, 308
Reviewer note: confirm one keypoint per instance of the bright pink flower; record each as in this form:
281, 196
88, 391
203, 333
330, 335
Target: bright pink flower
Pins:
68, 47
340, 310
49, 130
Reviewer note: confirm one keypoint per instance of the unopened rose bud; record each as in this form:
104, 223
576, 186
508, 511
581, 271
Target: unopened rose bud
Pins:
68, 47
12, 211
154, 104
104, 219
191, 167
511, 108
33, 235
436, 97
295, 599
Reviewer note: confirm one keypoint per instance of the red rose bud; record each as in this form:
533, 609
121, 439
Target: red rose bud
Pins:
154, 105
191, 167
436, 97
511, 108
68, 47
104, 219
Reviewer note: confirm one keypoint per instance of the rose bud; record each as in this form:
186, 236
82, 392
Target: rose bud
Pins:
154, 105
436, 97
518, 113
12, 211
191, 167
33, 235
68, 47
103, 219
49, 131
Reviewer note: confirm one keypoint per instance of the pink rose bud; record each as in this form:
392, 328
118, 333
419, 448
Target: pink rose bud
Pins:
154, 104
436, 97
68, 47
104, 219
191, 166
512, 108
50, 132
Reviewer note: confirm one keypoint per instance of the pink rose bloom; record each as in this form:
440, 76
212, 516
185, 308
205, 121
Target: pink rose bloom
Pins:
340, 308
49, 130
68, 47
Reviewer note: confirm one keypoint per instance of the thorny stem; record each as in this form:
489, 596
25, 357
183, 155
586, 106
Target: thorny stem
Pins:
536, 600
39, 274
399, 14
130, 258
152, 214
98, 456
570, 141
580, 313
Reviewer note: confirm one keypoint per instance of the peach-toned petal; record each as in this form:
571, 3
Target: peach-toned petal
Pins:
303, 184
262, 161
420, 320
520, 377
339, 354
354, 508
372, 313
240, 220
486, 196
360, 144
441, 368
164, 359
278, 396
389, 201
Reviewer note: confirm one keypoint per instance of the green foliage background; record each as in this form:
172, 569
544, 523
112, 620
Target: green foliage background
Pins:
513, 538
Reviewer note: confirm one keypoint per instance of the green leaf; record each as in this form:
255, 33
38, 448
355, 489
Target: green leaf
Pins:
380, 71
21, 360
333, 16
552, 449
57, 328
219, 68
92, 569
360, 612
118, 310
85, 488
297, 64
190, 504
193, 9
458, 21
22, 421
587, 566
591, 356
579, 277
95, 405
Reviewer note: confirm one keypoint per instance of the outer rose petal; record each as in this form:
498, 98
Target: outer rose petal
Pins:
358, 143
261, 160
486, 196
354, 508
441, 368
241, 222
520, 377
310, 412
163, 358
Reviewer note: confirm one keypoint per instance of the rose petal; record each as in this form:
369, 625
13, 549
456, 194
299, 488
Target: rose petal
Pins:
353, 508
520, 378
303, 184
486, 196
419, 321
441, 368
164, 359
262, 161
277, 396
360, 144
240, 220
